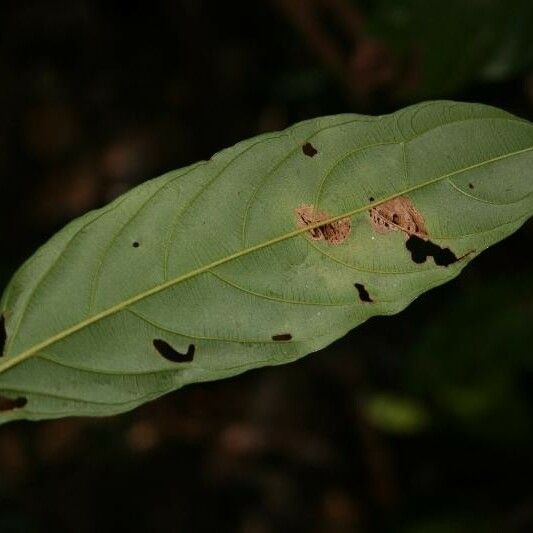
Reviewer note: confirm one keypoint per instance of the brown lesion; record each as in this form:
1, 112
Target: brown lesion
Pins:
335, 232
398, 214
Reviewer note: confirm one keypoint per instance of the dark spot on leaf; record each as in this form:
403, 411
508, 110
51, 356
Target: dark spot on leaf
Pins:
3, 334
371, 199
309, 150
363, 293
136, 244
282, 337
421, 249
7, 404
471, 185
395, 218
170, 354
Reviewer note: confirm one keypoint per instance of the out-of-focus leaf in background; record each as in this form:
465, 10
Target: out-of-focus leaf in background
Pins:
450, 44
479, 379
395, 414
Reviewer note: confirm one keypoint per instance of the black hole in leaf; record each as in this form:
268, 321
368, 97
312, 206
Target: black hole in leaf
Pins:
363, 293
309, 150
471, 185
136, 244
3, 334
282, 337
421, 250
170, 354
371, 199
6, 404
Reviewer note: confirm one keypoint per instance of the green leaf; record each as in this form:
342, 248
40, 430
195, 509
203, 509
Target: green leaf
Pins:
224, 266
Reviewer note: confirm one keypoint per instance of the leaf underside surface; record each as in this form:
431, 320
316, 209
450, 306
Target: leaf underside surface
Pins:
269, 251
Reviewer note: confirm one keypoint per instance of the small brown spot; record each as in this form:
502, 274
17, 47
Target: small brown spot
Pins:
363, 293
422, 249
282, 337
3, 334
170, 354
309, 150
398, 214
334, 232
470, 185
6, 404
371, 199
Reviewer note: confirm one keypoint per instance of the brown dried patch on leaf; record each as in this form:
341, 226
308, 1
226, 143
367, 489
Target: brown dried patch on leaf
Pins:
333, 232
398, 214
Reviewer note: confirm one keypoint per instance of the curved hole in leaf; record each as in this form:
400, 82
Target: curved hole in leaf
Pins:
170, 354
7, 404
309, 150
282, 337
363, 293
421, 250
3, 334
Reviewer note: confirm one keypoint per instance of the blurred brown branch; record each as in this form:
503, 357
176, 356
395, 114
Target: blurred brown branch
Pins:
329, 27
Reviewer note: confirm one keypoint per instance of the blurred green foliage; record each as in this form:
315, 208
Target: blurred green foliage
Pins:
479, 378
450, 44
395, 414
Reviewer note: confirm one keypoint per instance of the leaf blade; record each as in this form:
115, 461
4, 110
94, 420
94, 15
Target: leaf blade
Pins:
200, 283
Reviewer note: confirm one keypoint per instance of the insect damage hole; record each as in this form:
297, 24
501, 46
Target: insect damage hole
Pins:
170, 354
470, 185
282, 337
3, 334
309, 150
422, 249
7, 404
335, 232
136, 244
363, 293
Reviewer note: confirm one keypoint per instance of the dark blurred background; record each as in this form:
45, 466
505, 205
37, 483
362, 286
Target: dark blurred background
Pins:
422, 422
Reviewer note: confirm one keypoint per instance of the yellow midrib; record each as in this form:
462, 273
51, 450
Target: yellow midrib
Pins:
27, 354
